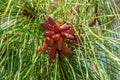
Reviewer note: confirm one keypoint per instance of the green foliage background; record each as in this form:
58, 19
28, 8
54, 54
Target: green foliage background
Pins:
20, 34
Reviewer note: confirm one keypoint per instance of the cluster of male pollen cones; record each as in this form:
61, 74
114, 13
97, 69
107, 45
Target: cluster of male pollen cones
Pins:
57, 37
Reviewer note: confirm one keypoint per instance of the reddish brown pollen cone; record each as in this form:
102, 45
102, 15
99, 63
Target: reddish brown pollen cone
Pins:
46, 26
49, 33
51, 42
39, 48
50, 20
65, 27
71, 31
52, 53
60, 44
68, 36
45, 44
66, 50
58, 22
56, 37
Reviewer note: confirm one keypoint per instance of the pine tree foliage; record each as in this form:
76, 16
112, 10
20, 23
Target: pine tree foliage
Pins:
96, 23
